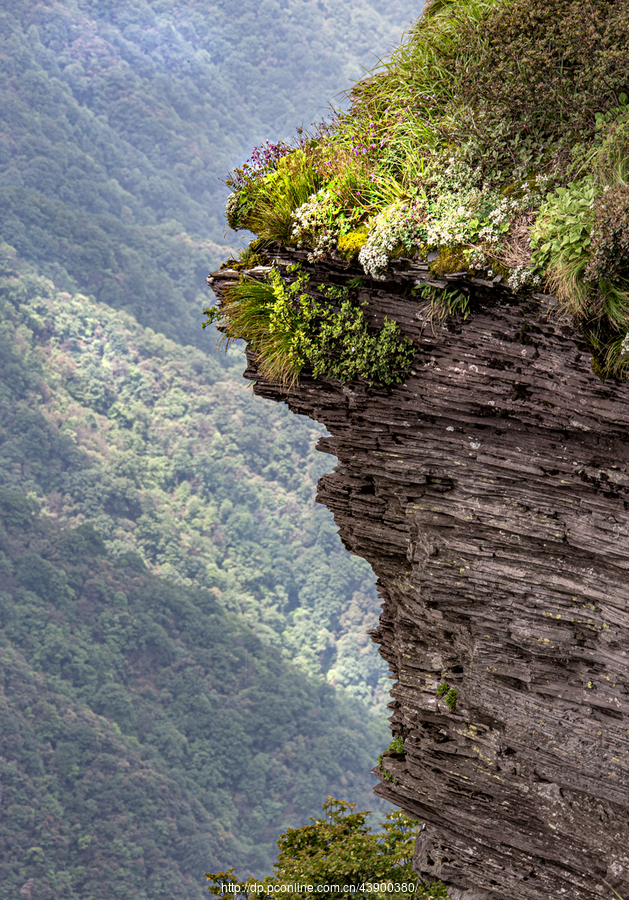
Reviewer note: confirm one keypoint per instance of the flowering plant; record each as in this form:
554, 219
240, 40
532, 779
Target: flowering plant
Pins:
398, 226
314, 225
262, 160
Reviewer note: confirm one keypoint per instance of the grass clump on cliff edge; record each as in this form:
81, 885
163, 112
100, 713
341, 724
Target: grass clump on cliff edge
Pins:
493, 122
289, 325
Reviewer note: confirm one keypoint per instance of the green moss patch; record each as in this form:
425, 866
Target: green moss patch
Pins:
351, 243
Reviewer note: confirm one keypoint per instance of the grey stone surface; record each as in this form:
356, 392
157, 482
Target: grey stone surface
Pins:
490, 493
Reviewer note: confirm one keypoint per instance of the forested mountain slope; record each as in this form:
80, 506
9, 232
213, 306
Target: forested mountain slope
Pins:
164, 578
145, 734
175, 462
118, 119
118, 446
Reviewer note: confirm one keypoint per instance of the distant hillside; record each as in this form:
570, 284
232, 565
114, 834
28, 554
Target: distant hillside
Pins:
172, 459
160, 565
117, 121
145, 734
174, 612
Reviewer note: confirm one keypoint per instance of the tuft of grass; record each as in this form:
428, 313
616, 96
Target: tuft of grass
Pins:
250, 311
441, 303
274, 198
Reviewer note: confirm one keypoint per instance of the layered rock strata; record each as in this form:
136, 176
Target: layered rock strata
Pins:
490, 494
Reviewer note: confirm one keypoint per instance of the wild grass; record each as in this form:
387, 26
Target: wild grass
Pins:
247, 310
421, 78
275, 197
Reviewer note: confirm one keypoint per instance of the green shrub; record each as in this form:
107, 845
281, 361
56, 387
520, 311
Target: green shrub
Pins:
581, 240
561, 241
343, 347
289, 328
535, 76
337, 852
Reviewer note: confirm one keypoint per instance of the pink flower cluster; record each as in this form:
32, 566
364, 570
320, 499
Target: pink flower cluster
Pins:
262, 158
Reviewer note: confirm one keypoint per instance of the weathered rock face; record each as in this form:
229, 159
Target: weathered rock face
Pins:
490, 494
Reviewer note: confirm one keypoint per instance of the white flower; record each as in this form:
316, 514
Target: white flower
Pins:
523, 276
391, 227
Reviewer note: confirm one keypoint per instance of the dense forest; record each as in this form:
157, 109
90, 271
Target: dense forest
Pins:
185, 669
162, 568
118, 120
145, 731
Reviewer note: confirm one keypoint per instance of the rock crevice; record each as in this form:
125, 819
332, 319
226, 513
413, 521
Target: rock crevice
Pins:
490, 494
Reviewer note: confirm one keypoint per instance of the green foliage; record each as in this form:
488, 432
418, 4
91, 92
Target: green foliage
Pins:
451, 143
345, 348
536, 75
396, 746
580, 239
288, 328
561, 242
609, 259
342, 854
271, 201
561, 237
448, 695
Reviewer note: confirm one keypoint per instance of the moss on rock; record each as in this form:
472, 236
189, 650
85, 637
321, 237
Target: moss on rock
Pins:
351, 243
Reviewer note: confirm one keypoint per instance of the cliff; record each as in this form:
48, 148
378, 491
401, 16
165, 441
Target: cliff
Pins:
489, 493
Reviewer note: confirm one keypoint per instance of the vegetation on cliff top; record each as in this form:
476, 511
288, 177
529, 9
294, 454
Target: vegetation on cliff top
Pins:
496, 134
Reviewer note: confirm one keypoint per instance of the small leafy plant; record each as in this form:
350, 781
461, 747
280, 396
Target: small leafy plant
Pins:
394, 749
289, 326
448, 695
561, 240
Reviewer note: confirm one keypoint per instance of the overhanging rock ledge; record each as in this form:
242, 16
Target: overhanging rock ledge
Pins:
490, 494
